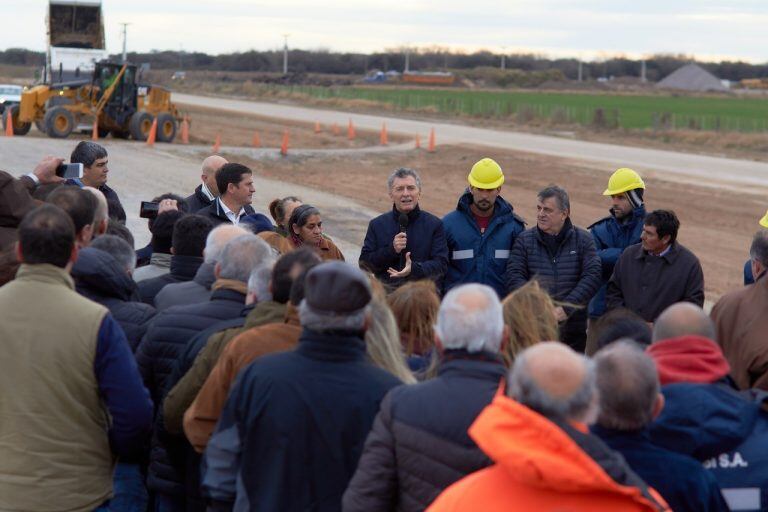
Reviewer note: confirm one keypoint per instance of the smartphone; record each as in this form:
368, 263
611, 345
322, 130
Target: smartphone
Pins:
149, 210
68, 171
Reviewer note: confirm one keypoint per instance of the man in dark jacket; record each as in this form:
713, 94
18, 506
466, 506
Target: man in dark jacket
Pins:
619, 230
419, 444
168, 336
199, 288
481, 231
302, 396
407, 243
629, 401
161, 242
102, 274
95, 159
656, 273
704, 416
235, 184
749, 274
563, 259
188, 242
207, 190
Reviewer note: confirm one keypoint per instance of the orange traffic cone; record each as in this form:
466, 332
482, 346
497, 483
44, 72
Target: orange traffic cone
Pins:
351, 130
284, 145
431, 146
217, 144
152, 134
335, 129
317, 127
256, 140
417, 145
185, 131
95, 132
383, 137
8, 123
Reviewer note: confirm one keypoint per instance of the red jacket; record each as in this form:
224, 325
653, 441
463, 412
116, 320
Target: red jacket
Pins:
693, 359
540, 467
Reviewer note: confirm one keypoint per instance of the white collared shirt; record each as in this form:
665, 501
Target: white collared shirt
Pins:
206, 192
234, 219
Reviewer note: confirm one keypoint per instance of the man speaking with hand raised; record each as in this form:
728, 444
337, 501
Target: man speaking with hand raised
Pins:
406, 243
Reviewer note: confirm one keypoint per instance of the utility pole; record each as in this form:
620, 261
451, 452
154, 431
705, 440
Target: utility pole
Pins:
642, 72
125, 41
503, 58
581, 64
285, 53
407, 59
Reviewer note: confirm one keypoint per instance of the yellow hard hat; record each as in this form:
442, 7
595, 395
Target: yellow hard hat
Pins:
764, 220
486, 174
623, 180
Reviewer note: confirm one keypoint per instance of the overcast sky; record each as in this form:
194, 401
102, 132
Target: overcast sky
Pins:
707, 29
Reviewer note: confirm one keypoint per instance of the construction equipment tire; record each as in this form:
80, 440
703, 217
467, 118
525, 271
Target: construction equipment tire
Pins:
11, 115
59, 122
166, 127
140, 124
40, 125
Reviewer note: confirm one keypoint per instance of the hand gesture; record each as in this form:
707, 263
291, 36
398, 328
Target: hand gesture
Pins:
560, 314
399, 242
167, 205
46, 170
394, 274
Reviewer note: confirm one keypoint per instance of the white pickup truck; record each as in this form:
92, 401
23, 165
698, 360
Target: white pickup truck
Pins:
9, 95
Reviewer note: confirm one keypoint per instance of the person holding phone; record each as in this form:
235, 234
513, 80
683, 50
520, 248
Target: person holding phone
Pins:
95, 170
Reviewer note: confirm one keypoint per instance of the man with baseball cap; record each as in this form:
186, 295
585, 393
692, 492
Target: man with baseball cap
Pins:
618, 230
294, 424
481, 231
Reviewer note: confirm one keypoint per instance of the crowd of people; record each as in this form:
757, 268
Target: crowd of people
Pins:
469, 363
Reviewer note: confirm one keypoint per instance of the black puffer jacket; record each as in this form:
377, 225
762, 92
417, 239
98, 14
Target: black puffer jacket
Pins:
161, 347
100, 277
183, 269
572, 274
419, 443
197, 201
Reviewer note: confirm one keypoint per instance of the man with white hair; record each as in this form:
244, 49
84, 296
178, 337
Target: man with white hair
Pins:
419, 443
544, 459
101, 216
207, 190
170, 333
199, 288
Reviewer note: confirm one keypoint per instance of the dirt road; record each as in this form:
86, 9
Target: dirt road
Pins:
681, 167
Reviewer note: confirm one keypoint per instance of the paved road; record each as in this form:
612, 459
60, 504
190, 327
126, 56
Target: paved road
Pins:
666, 164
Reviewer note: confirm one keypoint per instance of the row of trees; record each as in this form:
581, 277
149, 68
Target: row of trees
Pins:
426, 59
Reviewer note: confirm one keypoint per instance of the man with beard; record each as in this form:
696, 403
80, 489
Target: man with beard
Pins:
481, 231
618, 230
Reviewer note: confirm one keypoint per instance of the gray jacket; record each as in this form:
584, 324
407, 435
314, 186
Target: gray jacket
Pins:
190, 292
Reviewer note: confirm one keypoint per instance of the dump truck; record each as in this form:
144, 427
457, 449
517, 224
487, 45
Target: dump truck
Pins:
75, 39
111, 98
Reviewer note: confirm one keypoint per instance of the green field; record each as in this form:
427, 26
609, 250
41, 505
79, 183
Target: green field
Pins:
625, 111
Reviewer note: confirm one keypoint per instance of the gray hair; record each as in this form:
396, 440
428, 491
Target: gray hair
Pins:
118, 248
758, 251
628, 384
403, 172
217, 239
321, 321
241, 255
102, 208
683, 319
258, 283
560, 195
470, 318
578, 406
